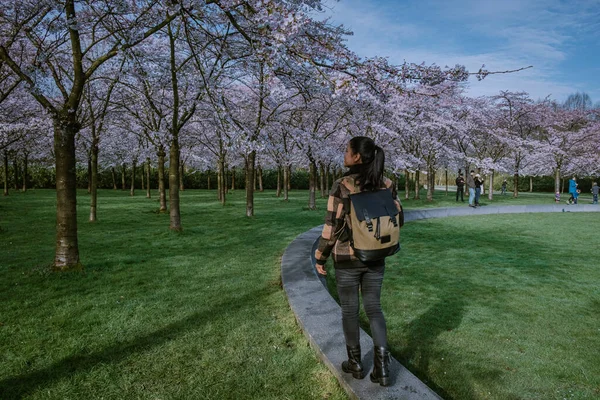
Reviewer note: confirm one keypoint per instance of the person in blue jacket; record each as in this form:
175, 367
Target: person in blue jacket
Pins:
573, 189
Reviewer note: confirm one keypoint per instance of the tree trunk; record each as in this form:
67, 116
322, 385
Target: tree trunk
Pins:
278, 181
123, 184
67, 247
417, 178
250, 162
114, 177
174, 212
16, 172
260, 180
93, 181
133, 168
219, 183
327, 181
516, 185
255, 179
557, 180
25, 168
181, 171
286, 183
406, 184
208, 180
491, 186
5, 173
446, 181
222, 182
322, 179
289, 180
89, 172
531, 184
148, 166
232, 178
143, 177
312, 185
226, 174
161, 180
430, 183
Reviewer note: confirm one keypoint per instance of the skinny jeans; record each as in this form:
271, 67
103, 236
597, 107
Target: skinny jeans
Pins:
477, 195
368, 281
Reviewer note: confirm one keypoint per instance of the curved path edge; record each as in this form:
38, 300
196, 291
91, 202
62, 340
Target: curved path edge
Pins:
319, 315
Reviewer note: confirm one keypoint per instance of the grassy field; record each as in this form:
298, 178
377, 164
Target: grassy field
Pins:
156, 314
498, 307
201, 314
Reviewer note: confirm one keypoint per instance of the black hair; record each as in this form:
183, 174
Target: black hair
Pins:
370, 172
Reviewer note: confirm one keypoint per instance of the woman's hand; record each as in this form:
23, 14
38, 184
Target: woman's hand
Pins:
321, 269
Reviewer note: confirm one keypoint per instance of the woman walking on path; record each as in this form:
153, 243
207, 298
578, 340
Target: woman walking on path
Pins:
365, 161
573, 189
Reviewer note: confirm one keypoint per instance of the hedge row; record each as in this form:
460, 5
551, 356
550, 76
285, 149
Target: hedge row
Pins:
43, 177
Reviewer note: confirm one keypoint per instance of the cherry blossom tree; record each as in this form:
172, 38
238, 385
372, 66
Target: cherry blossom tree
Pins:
97, 100
69, 41
518, 117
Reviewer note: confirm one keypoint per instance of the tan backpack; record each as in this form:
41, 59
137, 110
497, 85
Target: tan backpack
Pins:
376, 224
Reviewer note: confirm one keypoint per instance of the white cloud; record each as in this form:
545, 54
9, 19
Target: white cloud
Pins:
503, 35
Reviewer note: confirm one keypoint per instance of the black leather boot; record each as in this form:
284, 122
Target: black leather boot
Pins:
381, 363
353, 365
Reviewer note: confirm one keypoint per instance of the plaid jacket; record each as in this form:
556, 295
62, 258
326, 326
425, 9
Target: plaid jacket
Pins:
335, 238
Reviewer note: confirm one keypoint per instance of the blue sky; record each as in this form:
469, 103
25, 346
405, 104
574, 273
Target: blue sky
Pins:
561, 39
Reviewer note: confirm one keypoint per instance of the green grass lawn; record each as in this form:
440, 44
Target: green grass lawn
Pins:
498, 307
156, 314
201, 314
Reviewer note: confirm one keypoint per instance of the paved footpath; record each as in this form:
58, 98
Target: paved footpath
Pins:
319, 315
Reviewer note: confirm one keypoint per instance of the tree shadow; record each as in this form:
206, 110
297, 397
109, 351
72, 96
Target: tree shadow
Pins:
422, 333
20, 386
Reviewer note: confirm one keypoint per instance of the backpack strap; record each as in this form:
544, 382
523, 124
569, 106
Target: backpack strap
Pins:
368, 220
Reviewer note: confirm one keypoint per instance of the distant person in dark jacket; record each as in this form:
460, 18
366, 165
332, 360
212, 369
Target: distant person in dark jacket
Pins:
595, 189
503, 188
460, 187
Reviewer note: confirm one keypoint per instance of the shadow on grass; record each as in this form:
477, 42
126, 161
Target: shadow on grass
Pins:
20, 386
457, 282
422, 333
